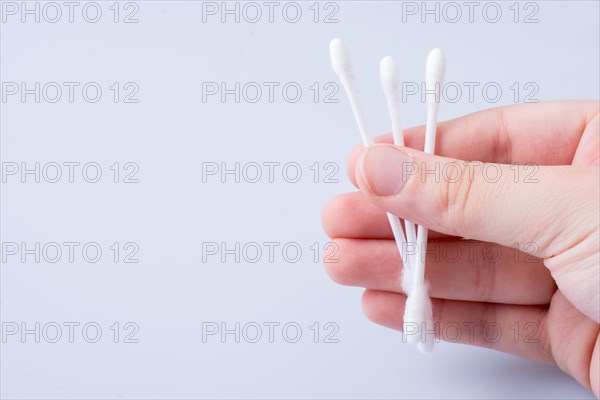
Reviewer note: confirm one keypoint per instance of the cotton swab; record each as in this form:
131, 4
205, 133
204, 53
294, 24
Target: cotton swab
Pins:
418, 304
342, 65
418, 308
390, 83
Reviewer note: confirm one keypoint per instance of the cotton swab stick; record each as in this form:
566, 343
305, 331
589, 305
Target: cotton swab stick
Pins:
418, 305
390, 83
342, 65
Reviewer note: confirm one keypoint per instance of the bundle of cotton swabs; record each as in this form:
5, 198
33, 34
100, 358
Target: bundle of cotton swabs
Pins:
417, 312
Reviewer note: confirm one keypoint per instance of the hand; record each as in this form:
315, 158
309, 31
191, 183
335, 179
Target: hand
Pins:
539, 282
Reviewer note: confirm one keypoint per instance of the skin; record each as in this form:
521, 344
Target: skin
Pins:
546, 276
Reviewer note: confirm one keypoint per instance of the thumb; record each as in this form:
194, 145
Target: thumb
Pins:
540, 210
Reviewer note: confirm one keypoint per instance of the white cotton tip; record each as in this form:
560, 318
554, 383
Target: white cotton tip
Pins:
418, 318
428, 338
426, 347
412, 319
342, 65
435, 67
390, 79
406, 279
340, 58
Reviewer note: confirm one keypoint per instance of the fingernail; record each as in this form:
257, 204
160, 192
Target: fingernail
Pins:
383, 169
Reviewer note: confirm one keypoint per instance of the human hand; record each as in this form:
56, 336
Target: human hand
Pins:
541, 286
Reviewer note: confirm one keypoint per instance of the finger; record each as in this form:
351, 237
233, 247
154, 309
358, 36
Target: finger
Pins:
456, 270
352, 215
587, 151
509, 205
518, 330
541, 133
573, 339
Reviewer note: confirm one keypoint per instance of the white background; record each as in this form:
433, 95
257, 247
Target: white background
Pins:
170, 132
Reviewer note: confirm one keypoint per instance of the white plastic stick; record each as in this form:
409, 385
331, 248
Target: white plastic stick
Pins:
342, 65
390, 83
418, 306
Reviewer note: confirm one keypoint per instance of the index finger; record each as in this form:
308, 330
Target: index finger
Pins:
541, 133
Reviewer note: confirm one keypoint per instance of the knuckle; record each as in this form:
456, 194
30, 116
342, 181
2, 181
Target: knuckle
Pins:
457, 196
485, 278
488, 320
